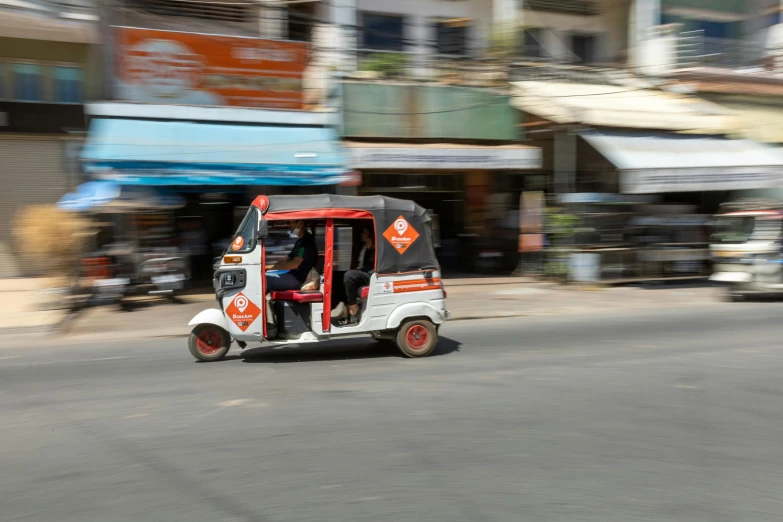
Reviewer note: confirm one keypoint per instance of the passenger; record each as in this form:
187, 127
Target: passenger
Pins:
355, 279
297, 264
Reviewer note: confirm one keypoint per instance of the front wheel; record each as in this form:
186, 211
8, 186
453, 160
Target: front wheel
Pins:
417, 338
208, 343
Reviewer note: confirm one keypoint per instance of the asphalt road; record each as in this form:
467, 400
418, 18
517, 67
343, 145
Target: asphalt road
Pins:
674, 415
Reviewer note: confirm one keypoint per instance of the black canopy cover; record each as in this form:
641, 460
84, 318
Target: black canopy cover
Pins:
403, 236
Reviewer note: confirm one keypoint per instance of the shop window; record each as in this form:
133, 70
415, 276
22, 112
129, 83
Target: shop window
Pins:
68, 85
451, 38
382, 32
28, 82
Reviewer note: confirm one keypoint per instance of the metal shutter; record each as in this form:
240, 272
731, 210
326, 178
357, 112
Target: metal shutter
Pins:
32, 171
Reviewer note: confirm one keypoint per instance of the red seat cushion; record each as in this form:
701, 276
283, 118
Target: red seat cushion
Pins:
365, 292
298, 296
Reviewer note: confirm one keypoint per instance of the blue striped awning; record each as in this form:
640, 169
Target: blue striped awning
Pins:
179, 153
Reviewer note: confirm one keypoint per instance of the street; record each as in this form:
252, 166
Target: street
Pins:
645, 415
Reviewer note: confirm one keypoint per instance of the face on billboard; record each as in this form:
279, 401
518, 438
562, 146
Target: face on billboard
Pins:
201, 69
163, 67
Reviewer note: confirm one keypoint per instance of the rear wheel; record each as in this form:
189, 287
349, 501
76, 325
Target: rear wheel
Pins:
734, 296
417, 338
208, 343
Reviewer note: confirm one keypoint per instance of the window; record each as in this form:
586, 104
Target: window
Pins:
68, 85
245, 238
28, 82
533, 43
205, 10
3, 80
715, 29
382, 32
451, 38
583, 47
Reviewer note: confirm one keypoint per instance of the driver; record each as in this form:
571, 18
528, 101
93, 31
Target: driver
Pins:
295, 267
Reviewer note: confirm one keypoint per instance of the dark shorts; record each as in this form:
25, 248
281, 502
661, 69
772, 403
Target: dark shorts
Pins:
282, 281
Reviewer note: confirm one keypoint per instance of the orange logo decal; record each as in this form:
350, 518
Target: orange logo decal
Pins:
238, 243
401, 234
243, 312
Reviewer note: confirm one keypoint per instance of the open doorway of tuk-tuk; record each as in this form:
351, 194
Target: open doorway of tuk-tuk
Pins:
346, 259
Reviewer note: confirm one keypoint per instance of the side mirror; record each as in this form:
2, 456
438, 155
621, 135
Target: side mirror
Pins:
263, 230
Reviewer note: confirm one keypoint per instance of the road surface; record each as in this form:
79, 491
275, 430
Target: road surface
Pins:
672, 415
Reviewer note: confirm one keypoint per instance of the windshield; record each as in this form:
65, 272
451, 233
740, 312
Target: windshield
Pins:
740, 229
244, 239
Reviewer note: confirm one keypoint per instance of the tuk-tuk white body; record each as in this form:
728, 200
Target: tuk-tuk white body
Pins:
404, 301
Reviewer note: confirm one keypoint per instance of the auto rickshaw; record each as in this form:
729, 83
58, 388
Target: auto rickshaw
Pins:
746, 248
405, 301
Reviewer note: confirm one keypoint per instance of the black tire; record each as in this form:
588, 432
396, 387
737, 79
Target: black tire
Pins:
209, 343
417, 338
734, 297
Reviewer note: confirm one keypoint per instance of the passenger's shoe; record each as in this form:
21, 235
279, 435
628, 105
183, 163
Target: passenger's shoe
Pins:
351, 320
340, 311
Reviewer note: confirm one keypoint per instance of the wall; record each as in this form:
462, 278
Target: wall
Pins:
558, 29
404, 111
51, 52
420, 16
730, 6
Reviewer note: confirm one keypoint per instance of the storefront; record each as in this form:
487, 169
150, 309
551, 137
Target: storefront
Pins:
218, 158
455, 182
684, 168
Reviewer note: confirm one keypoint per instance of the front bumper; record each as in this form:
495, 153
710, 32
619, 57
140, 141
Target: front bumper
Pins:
731, 277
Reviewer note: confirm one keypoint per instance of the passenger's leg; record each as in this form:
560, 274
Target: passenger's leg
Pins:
279, 282
338, 295
354, 279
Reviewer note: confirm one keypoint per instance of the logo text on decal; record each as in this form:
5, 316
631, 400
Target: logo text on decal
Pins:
242, 312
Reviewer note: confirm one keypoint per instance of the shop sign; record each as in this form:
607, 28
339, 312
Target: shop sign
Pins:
696, 180
202, 69
485, 158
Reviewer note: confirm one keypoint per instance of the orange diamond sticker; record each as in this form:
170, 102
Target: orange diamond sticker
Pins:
242, 311
401, 234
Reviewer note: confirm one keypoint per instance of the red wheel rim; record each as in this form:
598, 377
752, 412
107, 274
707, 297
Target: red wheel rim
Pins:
417, 337
209, 342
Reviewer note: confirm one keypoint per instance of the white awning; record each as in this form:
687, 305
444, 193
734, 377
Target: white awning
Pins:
657, 163
441, 156
621, 107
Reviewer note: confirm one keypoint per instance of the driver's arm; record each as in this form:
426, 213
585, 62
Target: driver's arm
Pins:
294, 259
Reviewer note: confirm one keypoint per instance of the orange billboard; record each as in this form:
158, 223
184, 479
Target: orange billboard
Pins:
202, 69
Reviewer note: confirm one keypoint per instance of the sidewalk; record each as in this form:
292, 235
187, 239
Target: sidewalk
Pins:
22, 306
468, 298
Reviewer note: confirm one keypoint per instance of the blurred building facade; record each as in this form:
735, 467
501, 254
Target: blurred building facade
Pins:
48, 68
462, 106
212, 100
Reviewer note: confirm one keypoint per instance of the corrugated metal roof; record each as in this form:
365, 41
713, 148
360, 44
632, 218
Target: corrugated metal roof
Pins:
630, 151
621, 107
